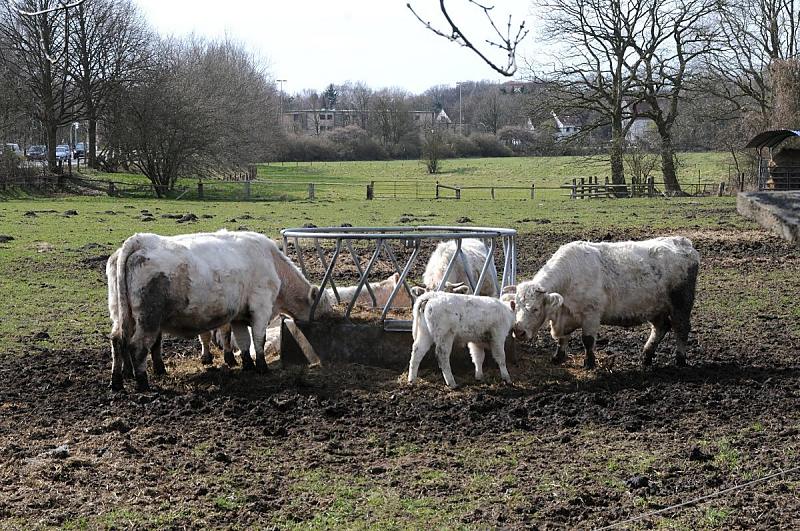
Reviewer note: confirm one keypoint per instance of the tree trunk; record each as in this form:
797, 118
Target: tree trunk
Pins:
91, 150
616, 153
52, 130
671, 184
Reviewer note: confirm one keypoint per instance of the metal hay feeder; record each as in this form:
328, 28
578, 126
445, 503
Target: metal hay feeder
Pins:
384, 341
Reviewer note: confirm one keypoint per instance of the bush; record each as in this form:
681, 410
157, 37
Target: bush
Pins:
462, 146
353, 143
489, 146
309, 149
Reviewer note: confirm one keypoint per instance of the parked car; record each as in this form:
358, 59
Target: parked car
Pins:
63, 152
80, 150
36, 152
14, 148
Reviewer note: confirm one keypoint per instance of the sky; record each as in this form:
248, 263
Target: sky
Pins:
311, 43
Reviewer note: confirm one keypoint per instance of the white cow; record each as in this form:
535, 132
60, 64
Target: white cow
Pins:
382, 291
584, 285
447, 319
186, 285
222, 336
475, 253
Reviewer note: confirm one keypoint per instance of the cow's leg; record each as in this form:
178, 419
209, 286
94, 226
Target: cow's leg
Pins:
478, 354
117, 363
658, 329
206, 356
242, 336
561, 351
589, 332
682, 299
140, 344
443, 351
499, 355
259, 328
155, 355
418, 350
227, 345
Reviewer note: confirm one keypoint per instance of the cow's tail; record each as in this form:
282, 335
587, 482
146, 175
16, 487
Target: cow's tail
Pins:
418, 316
126, 324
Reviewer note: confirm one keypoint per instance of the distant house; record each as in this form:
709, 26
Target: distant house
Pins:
640, 128
316, 121
566, 126
515, 87
442, 118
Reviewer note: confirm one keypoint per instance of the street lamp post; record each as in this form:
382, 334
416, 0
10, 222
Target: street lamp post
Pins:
281, 81
460, 118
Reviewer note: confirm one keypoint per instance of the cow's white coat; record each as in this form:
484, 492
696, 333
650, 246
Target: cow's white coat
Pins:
585, 284
448, 319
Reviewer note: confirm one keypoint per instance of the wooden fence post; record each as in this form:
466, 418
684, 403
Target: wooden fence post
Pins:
492, 192
721, 189
532, 191
458, 193
200, 189
583, 188
311, 191
437, 189
650, 186
370, 192
246, 190
573, 193
112, 190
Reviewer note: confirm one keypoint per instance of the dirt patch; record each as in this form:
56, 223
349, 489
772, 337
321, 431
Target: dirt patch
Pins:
220, 447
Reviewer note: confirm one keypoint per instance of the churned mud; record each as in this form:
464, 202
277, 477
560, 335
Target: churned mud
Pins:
353, 445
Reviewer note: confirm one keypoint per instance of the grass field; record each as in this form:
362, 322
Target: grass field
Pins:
353, 446
347, 180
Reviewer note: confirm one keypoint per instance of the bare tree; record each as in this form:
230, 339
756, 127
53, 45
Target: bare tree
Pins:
506, 42
205, 108
752, 35
591, 68
109, 40
37, 33
678, 35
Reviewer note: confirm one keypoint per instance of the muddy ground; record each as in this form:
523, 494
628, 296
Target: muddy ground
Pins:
349, 445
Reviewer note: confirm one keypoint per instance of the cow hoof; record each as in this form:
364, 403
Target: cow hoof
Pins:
558, 359
247, 364
680, 361
116, 385
141, 383
127, 373
589, 363
159, 369
261, 366
230, 359
207, 360
647, 361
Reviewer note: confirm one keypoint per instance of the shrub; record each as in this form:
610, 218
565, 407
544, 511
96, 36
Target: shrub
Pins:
489, 146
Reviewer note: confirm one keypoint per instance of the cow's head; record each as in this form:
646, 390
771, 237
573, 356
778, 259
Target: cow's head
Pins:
533, 307
301, 305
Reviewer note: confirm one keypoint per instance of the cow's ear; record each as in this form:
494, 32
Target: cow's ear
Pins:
416, 291
513, 304
462, 290
312, 295
396, 277
509, 289
554, 301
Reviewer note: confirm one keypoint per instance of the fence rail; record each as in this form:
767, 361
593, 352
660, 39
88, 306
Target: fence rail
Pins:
291, 190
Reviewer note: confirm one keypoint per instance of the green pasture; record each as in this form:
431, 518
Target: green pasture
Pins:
408, 178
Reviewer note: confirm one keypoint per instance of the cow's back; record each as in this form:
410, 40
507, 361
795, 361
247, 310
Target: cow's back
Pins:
205, 279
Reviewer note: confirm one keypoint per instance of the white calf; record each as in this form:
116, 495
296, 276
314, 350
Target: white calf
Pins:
445, 319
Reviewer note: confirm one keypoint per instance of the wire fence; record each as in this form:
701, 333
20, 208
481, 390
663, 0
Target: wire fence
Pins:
384, 189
